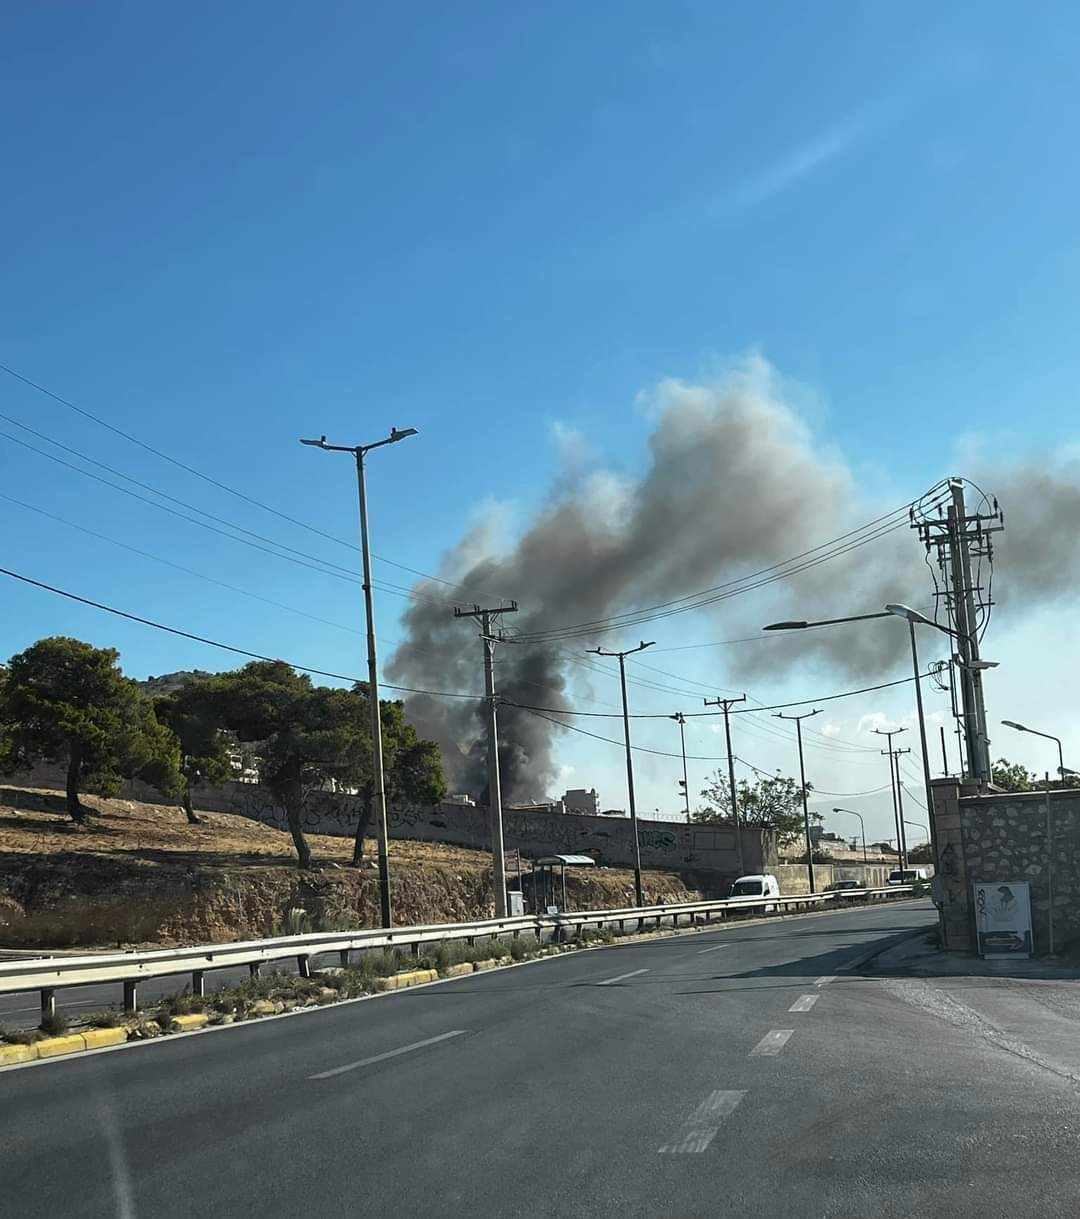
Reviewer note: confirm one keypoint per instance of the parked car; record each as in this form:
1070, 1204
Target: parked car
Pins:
840, 885
909, 876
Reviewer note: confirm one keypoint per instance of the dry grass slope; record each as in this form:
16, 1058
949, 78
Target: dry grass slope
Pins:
137, 873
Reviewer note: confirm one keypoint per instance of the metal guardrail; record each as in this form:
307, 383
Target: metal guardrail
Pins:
47, 974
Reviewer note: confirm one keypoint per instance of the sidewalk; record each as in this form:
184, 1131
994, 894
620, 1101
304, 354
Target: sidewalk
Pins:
1028, 1009
918, 957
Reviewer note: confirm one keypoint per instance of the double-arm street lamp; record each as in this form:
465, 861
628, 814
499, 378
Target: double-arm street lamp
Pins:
359, 451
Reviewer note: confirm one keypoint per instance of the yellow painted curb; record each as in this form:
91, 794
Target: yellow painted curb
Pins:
263, 1007
52, 1047
11, 1054
399, 981
96, 1039
458, 971
196, 1020
479, 965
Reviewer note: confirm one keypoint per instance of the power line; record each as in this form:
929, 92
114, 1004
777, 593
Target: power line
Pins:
149, 448
871, 531
216, 643
146, 554
316, 565
653, 715
663, 753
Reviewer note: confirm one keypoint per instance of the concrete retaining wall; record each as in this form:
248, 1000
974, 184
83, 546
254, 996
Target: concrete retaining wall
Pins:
794, 877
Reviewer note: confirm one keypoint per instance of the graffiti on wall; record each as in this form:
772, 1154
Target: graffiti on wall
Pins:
658, 840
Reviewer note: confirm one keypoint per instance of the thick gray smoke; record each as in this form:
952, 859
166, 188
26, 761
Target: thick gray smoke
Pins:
734, 483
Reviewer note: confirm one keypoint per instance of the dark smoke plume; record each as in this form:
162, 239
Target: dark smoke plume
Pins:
734, 482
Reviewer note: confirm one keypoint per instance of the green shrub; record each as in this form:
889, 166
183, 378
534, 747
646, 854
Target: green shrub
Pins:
55, 1025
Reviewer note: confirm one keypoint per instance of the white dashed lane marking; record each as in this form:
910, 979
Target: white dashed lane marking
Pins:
622, 977
714, 948
825, 980
703, 1123
772, 1043
804, 1003
405, 1049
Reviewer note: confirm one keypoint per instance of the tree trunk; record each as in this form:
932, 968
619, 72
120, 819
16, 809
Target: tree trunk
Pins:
362, 823
294, 806
74, 808
188, 810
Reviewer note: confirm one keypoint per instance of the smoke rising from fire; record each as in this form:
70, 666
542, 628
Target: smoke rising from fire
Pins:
734, 481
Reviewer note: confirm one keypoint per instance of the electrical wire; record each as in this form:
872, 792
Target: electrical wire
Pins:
216, 643
862, 535
149, 448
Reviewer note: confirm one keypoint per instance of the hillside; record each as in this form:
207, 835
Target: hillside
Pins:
137, 873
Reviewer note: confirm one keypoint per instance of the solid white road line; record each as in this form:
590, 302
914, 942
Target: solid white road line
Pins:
405, 1049
714, 948
825, 980
622, 977
772, 1043
703, 1124
803, 1004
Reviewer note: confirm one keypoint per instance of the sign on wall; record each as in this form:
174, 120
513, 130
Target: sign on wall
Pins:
1003, 918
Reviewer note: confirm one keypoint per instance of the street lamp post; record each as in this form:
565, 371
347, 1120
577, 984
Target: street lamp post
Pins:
638, 892
861, 826
802, 780
912, 617
680, 719
359, 451
1045, 735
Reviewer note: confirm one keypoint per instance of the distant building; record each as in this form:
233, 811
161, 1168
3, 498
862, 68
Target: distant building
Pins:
582, 800
613, 812
462, 800
537, 806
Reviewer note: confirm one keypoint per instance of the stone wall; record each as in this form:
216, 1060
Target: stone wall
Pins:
1002, 837
671, 845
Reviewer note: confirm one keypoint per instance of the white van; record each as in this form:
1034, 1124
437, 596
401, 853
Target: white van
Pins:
909, 876
762, 884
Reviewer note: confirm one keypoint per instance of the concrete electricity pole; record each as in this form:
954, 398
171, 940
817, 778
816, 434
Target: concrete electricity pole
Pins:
680, 719
900, 807
378, 780
725, 704
498, 855
802, 779
957, 535
639, 894
892, 783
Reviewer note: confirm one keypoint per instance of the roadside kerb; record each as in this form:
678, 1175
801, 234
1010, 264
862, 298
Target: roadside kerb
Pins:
101, 1039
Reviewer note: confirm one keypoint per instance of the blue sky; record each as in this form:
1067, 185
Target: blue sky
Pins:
227, 226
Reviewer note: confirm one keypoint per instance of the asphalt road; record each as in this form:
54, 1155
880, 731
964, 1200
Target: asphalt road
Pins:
742, 1071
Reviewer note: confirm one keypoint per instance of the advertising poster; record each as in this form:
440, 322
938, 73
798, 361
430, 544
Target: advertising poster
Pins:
1003, 918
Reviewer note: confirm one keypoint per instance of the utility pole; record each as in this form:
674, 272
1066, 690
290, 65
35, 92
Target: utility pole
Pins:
680, 719
629, 759
378, 779
957, 536
892, 783
802, 779
498, 855
900, 806
725, 704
